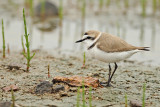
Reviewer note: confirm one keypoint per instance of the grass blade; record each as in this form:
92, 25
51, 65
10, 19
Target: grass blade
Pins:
90, 96
143, 98
78, 97
4, 47
126, 100
13, 98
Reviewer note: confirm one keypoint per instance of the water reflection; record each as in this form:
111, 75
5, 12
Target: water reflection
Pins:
141, 37
153, 27
46, 14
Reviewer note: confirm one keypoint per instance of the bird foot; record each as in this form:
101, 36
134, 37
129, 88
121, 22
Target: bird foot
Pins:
105, 84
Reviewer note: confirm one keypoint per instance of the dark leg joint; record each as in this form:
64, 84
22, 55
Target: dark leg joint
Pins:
110, 78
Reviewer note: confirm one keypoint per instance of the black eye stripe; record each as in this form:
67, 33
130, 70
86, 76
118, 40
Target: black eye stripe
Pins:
91, 38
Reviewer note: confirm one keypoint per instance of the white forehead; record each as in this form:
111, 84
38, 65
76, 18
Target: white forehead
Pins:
84, 36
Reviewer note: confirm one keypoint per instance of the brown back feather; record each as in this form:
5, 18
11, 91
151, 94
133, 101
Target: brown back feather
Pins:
110, 43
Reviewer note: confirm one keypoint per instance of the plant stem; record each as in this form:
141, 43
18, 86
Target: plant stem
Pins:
42, 9
83, 95
108, 3
125, 100
84, 59
31, 8
8, 49
143, 3
100, 4
90, 96
13, 98
22, 44
48, 71
78, 97
60, 22
4, 47
126, 2
83, 16
143, 99
28, 57
154, 3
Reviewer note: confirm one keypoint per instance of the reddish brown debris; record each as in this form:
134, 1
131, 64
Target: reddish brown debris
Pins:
10, 87
78, 81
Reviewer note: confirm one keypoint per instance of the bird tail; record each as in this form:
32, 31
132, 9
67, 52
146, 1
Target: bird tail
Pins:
144, 48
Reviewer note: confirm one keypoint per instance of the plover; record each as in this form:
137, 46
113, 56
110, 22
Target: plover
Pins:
109, 48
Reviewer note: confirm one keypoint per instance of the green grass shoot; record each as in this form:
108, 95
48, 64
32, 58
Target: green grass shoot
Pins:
31, 8
42, 9
83, 10
48, 71
78, 97
4, 47
101, 4
8, 49
84, 59
90, 96
26, 3
83, 95
108, 2
154, 5
118, 3
26, 35
143, 98
22, 44
126, 100
60, 11
91, 3
126, 3
60, 22
143, 5
13, 98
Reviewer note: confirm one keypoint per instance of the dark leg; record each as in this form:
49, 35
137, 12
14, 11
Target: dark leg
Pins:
109, 74
110, 78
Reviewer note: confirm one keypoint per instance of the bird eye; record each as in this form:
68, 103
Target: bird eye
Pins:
89, 37
86, 34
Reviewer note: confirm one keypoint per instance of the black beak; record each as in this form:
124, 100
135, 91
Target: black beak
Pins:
80, 40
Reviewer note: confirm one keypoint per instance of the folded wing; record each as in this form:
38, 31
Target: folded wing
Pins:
110, 43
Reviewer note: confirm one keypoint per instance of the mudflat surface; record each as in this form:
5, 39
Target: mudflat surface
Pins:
128, 79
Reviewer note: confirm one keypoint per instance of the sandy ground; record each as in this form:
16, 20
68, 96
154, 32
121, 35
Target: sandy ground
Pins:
128, 79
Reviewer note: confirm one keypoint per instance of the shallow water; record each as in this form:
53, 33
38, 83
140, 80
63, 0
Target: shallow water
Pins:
116, 20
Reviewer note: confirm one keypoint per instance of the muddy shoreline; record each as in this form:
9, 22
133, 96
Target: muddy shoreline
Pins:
128, 79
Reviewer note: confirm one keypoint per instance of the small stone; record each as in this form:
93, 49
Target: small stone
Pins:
50, 9
96, 75
73, 89
7, 104
135, 103
49, 105
43, 87
63, 94
58, 88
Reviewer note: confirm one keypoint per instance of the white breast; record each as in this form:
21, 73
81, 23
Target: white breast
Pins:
111, 57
